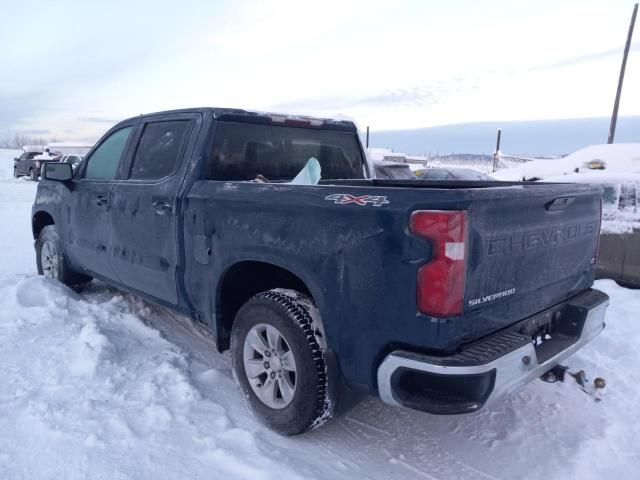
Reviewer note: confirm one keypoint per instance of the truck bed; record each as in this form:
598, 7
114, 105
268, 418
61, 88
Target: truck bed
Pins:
361, 262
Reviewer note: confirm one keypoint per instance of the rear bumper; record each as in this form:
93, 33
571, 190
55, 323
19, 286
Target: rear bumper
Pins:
494, 367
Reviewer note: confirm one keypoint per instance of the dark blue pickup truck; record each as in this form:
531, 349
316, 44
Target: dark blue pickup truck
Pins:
439, 296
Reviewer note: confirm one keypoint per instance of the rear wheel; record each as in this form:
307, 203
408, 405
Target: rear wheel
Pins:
51, 260
279, 362
33, 175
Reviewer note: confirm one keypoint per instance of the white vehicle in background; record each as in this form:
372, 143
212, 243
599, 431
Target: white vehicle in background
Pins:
71, 153
74, 160
619, 158
69, 149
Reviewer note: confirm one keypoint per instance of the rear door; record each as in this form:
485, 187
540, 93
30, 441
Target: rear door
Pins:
23, 163
530, 247
87, 232
144, 220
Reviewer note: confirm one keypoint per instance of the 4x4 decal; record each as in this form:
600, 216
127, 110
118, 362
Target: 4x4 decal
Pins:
346, 198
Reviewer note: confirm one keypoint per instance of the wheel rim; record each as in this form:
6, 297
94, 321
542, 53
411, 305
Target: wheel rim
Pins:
49, 260
270, 366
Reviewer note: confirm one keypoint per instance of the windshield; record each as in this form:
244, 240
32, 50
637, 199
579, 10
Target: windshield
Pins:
436, 174
242, 151
468, 174
391, 171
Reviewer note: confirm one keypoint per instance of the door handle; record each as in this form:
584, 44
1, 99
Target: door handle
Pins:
101, 200
162, 207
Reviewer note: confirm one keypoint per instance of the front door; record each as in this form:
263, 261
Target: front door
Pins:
87, 234
144, 220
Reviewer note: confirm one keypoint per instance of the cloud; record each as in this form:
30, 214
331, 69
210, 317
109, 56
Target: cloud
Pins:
106, 120
591, 57
416, 96
18, 109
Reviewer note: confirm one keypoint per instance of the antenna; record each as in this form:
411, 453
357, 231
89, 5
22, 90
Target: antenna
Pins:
616, 104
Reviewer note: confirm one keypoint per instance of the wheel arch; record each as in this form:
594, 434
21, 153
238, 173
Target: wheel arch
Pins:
243, 279
39, 220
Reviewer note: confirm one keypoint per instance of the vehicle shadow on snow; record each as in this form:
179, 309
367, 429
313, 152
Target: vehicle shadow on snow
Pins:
380, 440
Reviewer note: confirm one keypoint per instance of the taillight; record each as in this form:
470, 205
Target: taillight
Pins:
441, 281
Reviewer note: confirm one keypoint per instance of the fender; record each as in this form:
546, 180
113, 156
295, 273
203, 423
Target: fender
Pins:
310, 281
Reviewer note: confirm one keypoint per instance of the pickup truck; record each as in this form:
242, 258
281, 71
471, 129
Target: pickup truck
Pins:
30, 164
440, 296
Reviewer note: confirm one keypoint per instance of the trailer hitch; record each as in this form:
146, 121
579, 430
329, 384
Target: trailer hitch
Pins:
559, 373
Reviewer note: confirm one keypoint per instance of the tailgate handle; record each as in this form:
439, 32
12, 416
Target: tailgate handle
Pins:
559, 203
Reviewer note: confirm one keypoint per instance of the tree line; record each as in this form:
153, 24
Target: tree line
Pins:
18, 139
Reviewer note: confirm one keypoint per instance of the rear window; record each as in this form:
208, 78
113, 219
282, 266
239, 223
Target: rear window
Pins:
242, 151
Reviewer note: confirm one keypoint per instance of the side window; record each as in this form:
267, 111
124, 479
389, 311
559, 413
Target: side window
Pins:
159, 150
103, 163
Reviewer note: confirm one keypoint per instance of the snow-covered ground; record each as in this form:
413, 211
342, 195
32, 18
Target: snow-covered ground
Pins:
104, 385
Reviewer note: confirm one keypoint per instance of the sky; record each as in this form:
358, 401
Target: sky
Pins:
72, 69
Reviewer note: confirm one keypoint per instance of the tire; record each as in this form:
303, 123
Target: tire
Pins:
15, 172
52, 262
291, 314
33, 175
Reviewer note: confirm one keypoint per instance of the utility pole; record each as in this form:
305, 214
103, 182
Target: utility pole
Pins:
495, 154
616, 104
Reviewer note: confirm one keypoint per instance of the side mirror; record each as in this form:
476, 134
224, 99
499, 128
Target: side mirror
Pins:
16, 159
58, 172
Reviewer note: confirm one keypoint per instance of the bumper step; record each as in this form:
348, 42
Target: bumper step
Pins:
495, 366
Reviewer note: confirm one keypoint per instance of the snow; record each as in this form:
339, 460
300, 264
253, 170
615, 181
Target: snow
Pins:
44, 156
102, 384
69, 148
619, 158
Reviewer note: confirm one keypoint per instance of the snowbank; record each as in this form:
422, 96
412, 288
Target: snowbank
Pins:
104, 385
619, 158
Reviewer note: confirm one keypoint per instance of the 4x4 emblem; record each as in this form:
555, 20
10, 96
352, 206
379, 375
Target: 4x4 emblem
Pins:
346, 198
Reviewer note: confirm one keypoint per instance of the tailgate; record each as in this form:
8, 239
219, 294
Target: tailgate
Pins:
530, 247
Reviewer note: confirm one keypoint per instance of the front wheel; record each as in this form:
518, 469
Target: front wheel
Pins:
279, 361
51, 260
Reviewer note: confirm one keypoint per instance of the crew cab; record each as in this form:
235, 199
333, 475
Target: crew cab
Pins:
25, 163
440, 296
30, 163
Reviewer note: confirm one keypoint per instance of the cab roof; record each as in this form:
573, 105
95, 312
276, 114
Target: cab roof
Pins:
254, 116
